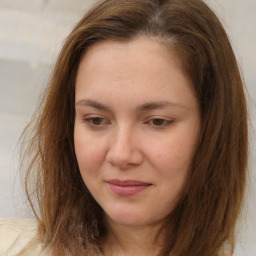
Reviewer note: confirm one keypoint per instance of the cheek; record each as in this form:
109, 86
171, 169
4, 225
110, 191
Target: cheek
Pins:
176, 156
90, 154
173, 156
172, 165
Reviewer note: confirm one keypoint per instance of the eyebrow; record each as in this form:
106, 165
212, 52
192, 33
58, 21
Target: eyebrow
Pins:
92, 103
141, 108
158, 105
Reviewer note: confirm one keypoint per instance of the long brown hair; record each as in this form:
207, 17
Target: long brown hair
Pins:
203, 221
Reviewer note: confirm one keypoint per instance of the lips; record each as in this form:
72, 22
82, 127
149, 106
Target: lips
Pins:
127, 187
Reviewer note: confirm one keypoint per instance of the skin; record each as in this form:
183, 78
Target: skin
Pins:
137, 118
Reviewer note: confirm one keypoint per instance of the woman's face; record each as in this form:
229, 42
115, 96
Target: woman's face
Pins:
136, 129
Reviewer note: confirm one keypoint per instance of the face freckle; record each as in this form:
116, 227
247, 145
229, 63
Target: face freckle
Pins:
159, 156
139, 131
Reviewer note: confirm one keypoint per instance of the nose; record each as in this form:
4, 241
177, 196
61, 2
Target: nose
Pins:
124, 151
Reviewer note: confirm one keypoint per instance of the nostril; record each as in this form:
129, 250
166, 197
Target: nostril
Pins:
124, 157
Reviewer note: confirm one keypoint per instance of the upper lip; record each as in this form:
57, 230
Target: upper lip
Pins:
128, 182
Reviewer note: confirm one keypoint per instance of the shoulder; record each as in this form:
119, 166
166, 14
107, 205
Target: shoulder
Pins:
19, 236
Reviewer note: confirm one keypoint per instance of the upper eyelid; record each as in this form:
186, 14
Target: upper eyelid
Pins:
90, 116
150, 118
160, 117
163, 119
95, 113
94, 117
89, 121
166, 122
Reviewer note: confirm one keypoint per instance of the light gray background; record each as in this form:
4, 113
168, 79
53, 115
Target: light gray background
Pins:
31, 34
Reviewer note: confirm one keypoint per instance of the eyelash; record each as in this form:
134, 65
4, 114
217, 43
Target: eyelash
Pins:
90, 121
164, 122
98, 124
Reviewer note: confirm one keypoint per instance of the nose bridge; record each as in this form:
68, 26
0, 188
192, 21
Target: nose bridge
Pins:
123, 137
124, 148
122, 144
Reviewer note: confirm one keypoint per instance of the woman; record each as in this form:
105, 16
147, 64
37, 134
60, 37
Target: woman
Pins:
140, 143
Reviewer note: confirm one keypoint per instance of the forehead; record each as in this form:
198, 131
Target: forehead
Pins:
136, 57
135, 50
142, 68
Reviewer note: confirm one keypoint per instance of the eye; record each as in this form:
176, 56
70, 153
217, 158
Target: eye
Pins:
96, 121
160, 122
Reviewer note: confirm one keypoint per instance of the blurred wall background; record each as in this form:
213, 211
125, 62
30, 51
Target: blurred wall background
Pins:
31, 34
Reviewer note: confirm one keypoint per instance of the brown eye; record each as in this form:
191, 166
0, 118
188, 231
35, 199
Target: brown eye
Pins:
96, 121
159, 122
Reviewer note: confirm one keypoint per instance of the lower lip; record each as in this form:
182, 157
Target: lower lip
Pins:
127, 190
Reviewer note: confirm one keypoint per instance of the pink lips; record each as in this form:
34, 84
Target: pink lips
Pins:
127, 187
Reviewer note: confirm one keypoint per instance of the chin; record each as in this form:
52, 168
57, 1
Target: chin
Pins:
128, 218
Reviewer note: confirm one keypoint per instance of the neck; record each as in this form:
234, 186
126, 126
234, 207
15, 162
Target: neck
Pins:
122, 240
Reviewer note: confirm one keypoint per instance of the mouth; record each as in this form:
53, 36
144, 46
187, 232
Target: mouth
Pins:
127, 187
